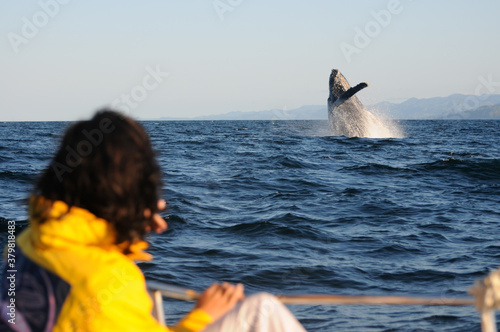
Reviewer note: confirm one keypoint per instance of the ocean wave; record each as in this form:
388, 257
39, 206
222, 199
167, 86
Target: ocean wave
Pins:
46, 134
372, 168
396, 249
18, 176
5, 158
482, 169
286, 226
293, 162
421, 275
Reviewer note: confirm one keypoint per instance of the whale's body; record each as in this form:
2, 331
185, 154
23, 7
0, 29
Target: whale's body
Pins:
346, 114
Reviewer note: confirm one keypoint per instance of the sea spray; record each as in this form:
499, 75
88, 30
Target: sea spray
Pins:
365, 124
380, 127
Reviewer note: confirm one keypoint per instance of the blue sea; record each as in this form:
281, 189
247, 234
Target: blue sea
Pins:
286, 208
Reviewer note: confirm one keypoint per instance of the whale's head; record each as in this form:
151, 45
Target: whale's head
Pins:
336, 88
338, 84
333, 75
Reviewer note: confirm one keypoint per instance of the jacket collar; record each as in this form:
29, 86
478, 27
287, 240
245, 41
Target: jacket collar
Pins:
64, 227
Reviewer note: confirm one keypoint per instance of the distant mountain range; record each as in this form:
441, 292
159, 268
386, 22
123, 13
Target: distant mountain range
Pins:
456, 106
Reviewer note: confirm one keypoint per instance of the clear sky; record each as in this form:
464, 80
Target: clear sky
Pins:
62, 60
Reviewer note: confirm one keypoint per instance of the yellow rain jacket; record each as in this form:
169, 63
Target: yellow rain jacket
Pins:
90, 285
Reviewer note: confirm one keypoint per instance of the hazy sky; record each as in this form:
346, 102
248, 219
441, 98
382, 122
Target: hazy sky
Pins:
62, 60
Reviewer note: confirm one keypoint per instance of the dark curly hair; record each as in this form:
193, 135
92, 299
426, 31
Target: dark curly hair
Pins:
107, 166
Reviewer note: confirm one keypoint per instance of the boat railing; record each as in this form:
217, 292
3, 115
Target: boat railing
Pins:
485, 296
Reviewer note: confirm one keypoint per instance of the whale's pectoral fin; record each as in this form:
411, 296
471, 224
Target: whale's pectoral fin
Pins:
352, 91
349, 93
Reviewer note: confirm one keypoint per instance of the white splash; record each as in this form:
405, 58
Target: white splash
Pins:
379, 127
366, 124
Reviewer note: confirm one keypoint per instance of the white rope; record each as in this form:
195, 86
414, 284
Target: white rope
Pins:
317, 299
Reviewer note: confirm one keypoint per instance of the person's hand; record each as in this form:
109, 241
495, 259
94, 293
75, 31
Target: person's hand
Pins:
158, 224
217, 299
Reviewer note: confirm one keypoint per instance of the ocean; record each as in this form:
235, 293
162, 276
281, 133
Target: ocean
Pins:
286, 208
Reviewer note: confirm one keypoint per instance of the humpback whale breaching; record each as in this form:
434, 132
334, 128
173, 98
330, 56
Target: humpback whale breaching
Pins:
346, 114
